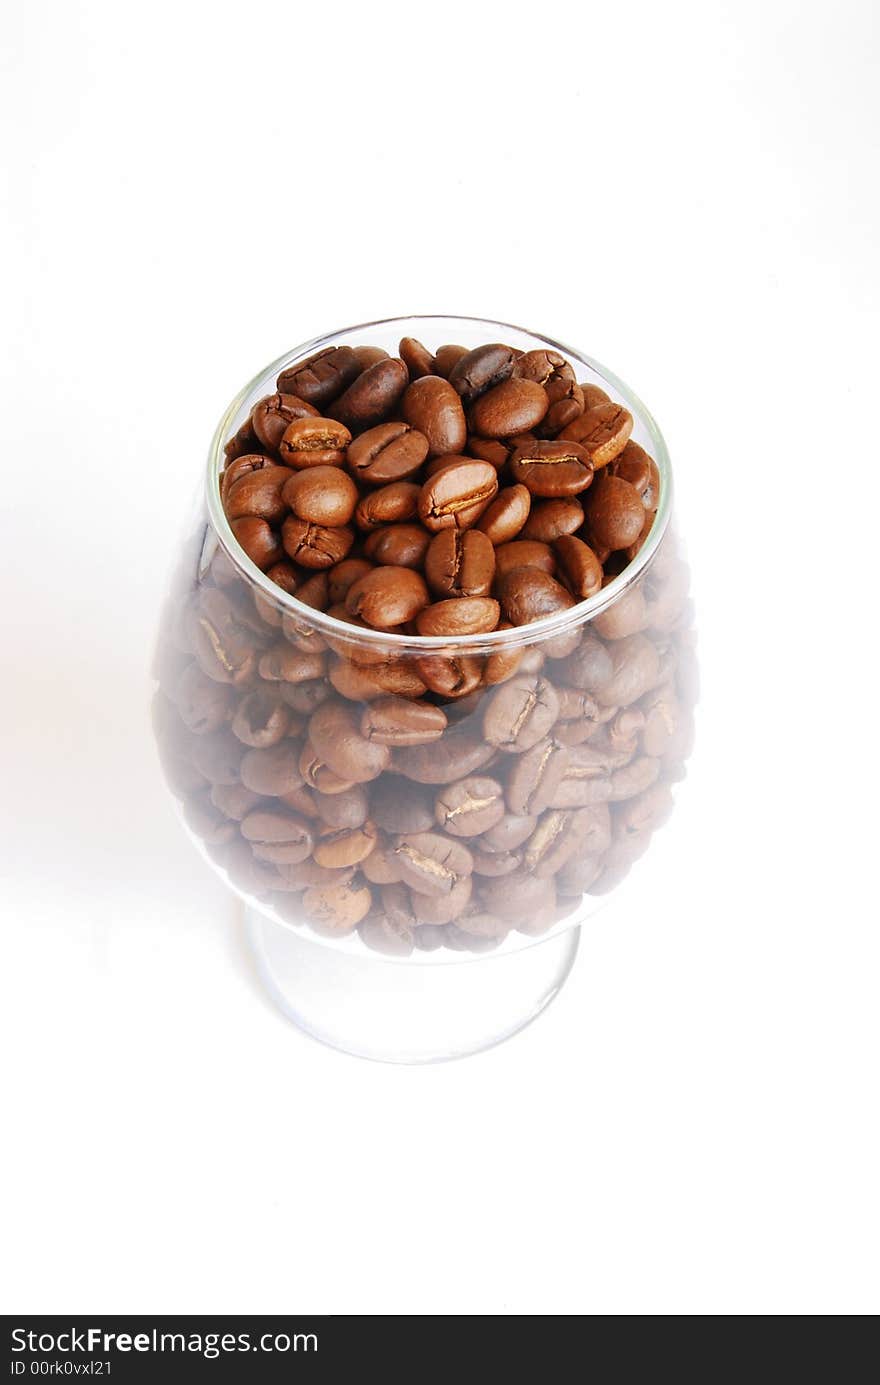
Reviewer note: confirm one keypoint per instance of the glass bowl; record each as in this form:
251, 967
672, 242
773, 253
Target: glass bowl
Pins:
383, 919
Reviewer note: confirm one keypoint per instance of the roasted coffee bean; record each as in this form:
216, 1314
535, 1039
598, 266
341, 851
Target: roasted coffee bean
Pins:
278, 836
523, 553
462, 615
203, 703
369, 355
360, 683
549, 519
566, 404
515, 406
416, 357
397, 721
602, 431
542, 366
633, 778
318, 775
322, 376
460, 563
373, 395
217, 756
234, 800
593, 395
382, 934
260, 720
309, 442
577, 566
446, 357
389, 452
274, 770
615, 513
321, 495
379, 867
479, 369
334, 733
527, 594
494, 863
315, 545
432, 406
456, 754
242, 466
442, 908
285, 664
577, 875
552, 469
517, 896
626, 616
470, 806
513, 829
635, 664
391, 504
284, 575
519, 714
452, 675
245, 440
430, 862
457, 494
535, 776
258, 540
225, 647
634, 465
399, 805
342, 810
338, 848
388, 596
274, 414
343, 575
506, 515
337, 909
398, 545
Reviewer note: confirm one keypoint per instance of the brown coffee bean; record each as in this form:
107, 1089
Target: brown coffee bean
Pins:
635, 664
373, 395
379, 867
542, 366
634, 465
284, 575
318, 775
388, 596
286, 664
432, 406
602, 431
446, 357
460, 563
416, 357
361, 683
274, 414
552, 469
311, 442
479, 369
523, 553
441, 908
578, 568
519, 714
535, 776
455, 755
337, 909
527, 594
274, 770
398, 545
322, 376
315, 545
517, 896
513, 829
549, 519
258, 540
243, 441
506, 515
400, 805
260, 720
369, 355
557, 838
342, 810
382, 934
515, 406
392, 504
502, 663
204, 704
457, 495
450, 675
431, 863
321, 495
462, 615
337, 848
234, 800
626, 616
593, 395
615, 513
334, 733
397, 721
242, 466
470, 806
389, 452
287, 836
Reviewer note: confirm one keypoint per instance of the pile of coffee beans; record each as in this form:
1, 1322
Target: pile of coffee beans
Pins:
429, 796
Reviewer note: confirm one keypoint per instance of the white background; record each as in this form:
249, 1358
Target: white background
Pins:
689, 193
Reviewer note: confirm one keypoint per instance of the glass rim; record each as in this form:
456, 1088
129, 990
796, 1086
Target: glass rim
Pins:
559, 623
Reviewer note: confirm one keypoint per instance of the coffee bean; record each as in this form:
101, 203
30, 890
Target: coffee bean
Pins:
258, 540
535, 776
615, 514
369, 355
286, 664
517, 896
446, 357
416, 357
506, 515
242, 466
388, 452
515, 406
552, 469
391, 504
383, 934
274, 770
321, 376
337, 909
628, 614
337, 848
457, 495
388, 596
203, 703
284, 575
309, 442
373, 395
513, 829
400, 805
397, 721
543, 367
432, 406
398, 545
271, 416
430, 863
278, 836
549, 519
634, 465
580, 571
442, 908
523, 553
519, 714
602, 431
260, 720
527, 594
321, 495
234, 800
460, 563
470, 806
343, 810
334, 733
593, 395
315, 545
479, 369
450, 675
456, 754
463, 615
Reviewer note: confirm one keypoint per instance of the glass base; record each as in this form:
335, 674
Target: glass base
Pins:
407, 1011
